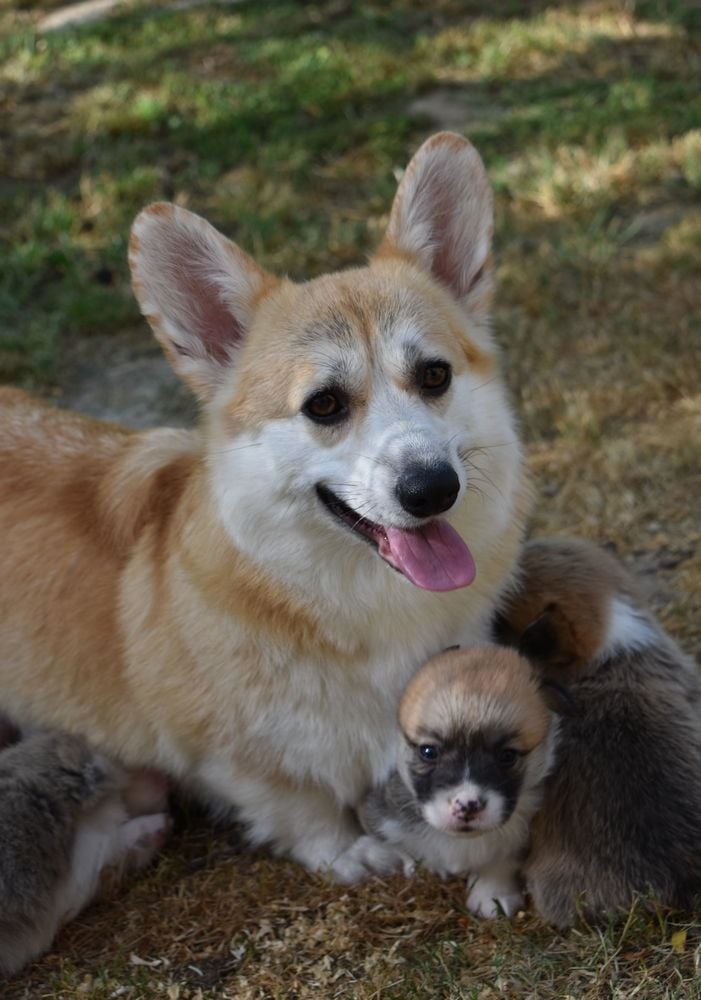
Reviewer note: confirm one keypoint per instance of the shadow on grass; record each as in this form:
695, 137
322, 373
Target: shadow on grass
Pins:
284, 123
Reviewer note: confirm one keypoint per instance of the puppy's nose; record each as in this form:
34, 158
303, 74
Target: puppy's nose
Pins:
469, 809
425, 490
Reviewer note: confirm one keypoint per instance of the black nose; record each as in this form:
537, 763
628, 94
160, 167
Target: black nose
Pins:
424, 490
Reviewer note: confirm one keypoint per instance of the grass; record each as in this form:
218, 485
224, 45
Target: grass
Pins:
285, 124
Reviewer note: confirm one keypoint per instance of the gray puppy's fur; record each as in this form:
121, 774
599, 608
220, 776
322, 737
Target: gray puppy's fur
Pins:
63, 821
622, 807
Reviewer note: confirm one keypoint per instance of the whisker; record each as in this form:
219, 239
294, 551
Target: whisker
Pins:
238, 447
489, 381
485, 477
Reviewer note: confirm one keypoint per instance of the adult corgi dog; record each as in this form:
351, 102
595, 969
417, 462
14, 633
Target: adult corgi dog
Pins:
241, 606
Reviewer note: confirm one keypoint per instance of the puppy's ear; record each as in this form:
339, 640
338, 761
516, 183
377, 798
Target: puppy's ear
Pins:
197, 290
558, 699
442, 218
502, 630
541, 639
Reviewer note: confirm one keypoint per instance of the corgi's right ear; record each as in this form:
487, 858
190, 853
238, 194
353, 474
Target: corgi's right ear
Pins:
197, 290
443, 217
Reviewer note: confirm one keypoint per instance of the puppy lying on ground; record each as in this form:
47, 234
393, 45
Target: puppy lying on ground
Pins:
240, 606
477, 740
67, 815
622, 807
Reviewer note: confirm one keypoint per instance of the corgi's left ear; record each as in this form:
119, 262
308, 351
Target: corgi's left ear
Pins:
443, 218
198, 291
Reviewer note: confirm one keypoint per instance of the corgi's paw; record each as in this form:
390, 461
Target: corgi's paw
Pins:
317, 854
490, 898
369, 856
144, 836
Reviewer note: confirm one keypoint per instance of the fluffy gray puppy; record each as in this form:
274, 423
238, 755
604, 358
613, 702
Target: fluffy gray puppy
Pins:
621, 813
64, 820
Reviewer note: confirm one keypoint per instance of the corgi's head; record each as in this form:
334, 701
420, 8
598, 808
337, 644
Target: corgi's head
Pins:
364, 406
477, 737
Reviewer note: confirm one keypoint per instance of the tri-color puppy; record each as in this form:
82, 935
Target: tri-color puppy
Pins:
622, 807
477, 738
67, 815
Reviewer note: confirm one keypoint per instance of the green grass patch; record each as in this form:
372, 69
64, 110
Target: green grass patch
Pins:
285, 123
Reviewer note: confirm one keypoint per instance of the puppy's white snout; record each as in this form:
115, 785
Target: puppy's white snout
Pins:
427, 490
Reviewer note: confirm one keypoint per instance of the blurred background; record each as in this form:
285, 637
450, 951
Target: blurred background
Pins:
288, 124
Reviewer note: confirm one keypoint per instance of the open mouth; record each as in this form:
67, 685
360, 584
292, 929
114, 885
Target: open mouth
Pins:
367, 529
432, 556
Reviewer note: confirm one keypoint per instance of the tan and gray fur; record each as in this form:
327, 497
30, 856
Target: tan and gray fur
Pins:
184, 599
67, 817
622, 809
477, 739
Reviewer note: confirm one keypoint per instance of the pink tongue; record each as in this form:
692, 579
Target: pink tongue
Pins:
433, 557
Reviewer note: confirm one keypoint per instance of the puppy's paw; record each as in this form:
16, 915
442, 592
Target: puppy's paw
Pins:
144, 836
489, 898
369, 856
146, 792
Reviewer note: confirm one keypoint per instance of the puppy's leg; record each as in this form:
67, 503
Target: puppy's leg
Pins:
94, 848
107, 839
139, 840
563, 884
146, 793
494, 890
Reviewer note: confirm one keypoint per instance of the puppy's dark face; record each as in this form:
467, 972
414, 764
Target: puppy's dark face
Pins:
475, 728
467, 780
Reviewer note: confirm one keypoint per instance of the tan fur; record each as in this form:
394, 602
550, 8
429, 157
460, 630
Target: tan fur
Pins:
470, 685
129, 615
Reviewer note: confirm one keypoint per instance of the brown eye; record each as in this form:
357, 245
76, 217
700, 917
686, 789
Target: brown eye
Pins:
434, 377
326, 407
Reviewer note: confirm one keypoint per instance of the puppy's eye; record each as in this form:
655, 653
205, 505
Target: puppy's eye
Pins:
428, 752
434, 377
326, 407
507, 757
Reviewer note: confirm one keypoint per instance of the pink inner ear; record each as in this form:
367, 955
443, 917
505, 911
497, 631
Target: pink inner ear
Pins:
451, 262
206, 317
443, 216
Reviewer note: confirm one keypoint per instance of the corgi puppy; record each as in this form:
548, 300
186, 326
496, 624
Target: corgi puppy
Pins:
477, 739
241, 605
67, 816
622, 808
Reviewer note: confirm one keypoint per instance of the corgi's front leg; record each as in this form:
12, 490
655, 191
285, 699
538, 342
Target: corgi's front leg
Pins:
370, 856
305, 823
